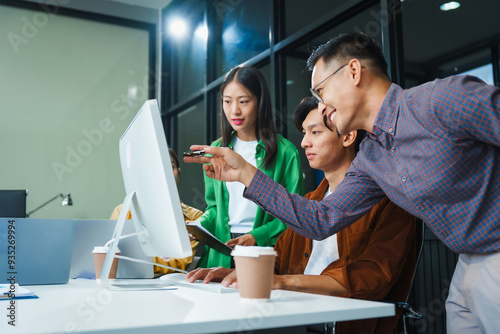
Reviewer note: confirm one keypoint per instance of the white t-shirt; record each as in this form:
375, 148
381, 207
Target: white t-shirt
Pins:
323, 252
241, 210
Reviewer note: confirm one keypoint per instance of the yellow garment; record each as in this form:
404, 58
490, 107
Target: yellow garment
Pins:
190, 214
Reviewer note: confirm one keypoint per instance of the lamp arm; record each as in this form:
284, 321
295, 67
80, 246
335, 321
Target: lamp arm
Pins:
44, 204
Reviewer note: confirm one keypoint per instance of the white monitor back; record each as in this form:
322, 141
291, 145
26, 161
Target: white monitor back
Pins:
147, 170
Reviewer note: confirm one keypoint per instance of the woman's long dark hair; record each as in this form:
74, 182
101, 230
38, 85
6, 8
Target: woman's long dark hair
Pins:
265, 130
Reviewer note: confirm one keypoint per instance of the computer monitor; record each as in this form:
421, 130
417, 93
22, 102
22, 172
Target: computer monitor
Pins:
152, 194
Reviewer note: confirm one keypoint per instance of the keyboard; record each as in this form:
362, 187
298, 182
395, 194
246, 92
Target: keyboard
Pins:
179, 279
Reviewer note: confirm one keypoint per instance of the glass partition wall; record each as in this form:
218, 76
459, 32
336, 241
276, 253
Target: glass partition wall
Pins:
275, 36
202, 40
421, 42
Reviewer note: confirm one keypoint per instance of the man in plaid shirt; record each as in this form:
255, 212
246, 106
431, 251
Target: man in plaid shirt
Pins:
434, 150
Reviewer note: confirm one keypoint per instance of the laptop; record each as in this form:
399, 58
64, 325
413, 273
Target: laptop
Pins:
96, 232
35, 251
13, 203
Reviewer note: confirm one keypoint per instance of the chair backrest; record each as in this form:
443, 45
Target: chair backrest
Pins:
408, 311
13, 203
420, 231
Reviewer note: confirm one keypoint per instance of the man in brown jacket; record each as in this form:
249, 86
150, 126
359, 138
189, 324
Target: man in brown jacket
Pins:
372, 259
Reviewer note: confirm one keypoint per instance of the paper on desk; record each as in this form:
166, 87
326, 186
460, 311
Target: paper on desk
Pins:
14, 291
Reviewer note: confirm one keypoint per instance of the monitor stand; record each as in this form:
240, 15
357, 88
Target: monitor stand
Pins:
111, 254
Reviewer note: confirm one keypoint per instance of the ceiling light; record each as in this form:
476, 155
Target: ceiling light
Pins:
201, 32
178, 28
449, 6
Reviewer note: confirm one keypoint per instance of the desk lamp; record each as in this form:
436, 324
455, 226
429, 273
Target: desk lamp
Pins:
66, 200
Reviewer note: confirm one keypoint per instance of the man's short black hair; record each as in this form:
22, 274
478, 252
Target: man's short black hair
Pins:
307, 105
349, 46
303, 109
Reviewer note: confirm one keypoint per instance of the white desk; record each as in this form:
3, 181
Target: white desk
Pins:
83, 306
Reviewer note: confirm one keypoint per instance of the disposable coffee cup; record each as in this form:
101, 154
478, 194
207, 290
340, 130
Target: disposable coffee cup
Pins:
99, 256
254, 271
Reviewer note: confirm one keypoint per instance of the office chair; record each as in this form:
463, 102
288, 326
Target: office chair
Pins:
408, 311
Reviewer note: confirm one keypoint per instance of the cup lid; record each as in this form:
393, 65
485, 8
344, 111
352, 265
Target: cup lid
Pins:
102, 249
252, 251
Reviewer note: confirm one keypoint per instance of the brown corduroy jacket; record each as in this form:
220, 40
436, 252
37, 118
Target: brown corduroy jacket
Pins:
377, 256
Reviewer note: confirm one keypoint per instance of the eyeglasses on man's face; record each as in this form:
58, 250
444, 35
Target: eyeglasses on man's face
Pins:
315, 94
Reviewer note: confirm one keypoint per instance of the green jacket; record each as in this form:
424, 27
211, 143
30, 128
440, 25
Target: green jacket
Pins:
285, 169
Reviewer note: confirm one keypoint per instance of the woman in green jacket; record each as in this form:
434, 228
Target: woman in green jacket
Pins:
247, 126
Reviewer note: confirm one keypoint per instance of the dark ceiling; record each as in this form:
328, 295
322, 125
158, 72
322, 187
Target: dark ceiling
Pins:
432, 37
434, 41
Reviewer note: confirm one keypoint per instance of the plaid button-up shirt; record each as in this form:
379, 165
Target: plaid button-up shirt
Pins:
434, 151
